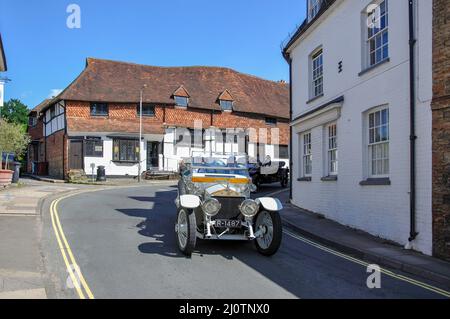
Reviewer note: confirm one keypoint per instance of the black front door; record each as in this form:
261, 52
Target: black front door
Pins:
153, 150
76, 155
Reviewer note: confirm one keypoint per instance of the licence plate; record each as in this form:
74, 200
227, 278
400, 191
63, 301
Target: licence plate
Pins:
228, 223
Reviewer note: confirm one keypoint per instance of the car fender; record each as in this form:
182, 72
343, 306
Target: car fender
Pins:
270, 204
190, 201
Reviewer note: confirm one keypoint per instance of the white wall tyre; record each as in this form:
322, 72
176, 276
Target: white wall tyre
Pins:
269, 223
185, 229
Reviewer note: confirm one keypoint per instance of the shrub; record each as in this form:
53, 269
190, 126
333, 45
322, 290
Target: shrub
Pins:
12, 140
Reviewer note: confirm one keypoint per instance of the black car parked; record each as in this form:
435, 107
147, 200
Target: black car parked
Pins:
269, 172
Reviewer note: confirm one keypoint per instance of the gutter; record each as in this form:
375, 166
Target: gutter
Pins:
412, 83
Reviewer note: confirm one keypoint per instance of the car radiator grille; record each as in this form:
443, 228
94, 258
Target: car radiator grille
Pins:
230, 207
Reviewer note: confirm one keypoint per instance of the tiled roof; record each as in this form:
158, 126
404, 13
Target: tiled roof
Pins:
111, 81
41, 106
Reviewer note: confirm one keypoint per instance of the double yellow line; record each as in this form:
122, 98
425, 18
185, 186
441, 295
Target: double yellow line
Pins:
73, 269
423, 285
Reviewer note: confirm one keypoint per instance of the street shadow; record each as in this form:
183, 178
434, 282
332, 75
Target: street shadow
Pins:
142, 198
158, 229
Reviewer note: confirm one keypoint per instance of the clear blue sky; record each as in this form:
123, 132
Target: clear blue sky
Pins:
44, 55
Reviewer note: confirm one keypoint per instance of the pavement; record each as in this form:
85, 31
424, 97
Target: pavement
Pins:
362, 245
22, 273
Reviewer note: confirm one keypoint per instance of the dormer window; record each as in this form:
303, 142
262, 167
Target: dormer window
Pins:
226, 100
181, 97
226, 105
181, 101
313, 8
271, 121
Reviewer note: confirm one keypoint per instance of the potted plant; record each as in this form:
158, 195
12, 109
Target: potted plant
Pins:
12, 140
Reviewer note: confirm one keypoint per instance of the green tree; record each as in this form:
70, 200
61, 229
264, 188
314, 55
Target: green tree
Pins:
12, 140
14, 111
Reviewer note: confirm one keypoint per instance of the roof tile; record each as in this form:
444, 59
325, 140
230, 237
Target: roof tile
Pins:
112, 81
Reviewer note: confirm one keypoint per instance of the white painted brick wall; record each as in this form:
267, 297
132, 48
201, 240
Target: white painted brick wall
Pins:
379, 210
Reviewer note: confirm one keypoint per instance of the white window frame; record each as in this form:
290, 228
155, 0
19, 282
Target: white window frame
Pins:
316, 76
379, 36
332, 155
181, 105
313, 8
379, 145
224, 105
306, 152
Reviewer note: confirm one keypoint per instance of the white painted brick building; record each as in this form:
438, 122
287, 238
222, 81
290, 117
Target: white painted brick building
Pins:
337, 81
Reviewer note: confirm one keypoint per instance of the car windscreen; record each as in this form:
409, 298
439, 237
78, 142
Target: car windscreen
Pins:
219, 167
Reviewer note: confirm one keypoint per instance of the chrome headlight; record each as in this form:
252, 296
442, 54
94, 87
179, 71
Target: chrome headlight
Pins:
211, 207
249, 208
241, 188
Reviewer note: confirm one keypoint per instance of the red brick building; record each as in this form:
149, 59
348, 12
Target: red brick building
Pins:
441, 129
36, 149
95, 120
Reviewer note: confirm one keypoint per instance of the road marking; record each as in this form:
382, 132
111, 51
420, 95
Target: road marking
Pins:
72, 266
365, 264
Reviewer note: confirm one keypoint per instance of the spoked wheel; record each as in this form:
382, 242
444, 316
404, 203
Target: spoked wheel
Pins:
269, 225
186, 231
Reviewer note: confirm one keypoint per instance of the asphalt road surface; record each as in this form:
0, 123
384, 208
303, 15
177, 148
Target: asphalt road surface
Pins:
124, 243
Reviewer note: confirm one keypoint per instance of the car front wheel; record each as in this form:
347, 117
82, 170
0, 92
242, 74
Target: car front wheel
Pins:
185, 228
268, 224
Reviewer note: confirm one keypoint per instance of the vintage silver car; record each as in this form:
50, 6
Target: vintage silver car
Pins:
214, 204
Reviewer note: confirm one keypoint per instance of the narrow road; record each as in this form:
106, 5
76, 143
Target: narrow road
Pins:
124, 242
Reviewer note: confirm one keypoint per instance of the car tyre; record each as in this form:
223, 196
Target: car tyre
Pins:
186, 226
270, 223
257, 183
284, 182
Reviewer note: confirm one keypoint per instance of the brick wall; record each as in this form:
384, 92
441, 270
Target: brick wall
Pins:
57, 150
121, 118
441, 129
124, 118
36, 134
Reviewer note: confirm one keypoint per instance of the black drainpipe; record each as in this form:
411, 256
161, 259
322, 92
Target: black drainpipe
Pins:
412, 83
290, 127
